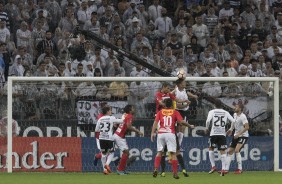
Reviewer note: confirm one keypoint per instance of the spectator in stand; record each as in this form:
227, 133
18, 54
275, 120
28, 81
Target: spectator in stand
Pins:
92, 24
197, 48
139, 41
268, 71
215, 71
17, 68
175, 45
243, 71
119, 90
53, 7
48, 103
48, 53
278, 23
138, 71
254, 71
201, 31
259, 30
200, 67
98, 60
85, 89
221, 55
226, 11
254, 51
4, 32
42, 18
277, 65
154, 10
123, 5
186, 38
83, 13
23, 36
138, 92
233, 46
69, 22
41, 70
261, 62
47, 42
206, 57
116, 22
163, 24
4, 15
211, 20
107, 18
244, 31
181, 29
265, 16
128, 13
212, 89
270, 50
168, 57
274, 35
116, 70
248, 16
189, 56
69, 72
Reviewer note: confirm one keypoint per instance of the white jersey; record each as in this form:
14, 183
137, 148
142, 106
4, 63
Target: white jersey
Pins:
218, 118
240, 121
181, 95
105, 126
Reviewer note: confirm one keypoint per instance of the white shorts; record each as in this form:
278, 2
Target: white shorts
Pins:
98, 144
166, 139
120, 142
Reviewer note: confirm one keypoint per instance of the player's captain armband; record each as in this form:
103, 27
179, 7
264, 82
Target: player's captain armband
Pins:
174, 104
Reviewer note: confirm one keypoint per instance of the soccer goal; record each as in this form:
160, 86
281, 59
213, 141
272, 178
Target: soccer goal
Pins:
51, 121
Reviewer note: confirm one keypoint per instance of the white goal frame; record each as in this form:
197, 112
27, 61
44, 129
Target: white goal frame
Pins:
275, 81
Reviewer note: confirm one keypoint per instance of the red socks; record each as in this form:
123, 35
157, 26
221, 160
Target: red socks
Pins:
122, 163
174, 164
157, 162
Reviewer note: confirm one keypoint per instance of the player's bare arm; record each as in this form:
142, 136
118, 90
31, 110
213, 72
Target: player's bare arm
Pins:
132, 128
182, 122
153, 132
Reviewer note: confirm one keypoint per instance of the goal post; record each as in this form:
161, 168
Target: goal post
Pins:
274, 80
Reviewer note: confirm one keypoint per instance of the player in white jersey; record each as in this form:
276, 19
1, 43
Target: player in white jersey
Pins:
105, 126
239, 139
182, 106
217, 119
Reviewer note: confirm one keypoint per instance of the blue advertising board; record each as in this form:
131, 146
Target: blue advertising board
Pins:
256, 155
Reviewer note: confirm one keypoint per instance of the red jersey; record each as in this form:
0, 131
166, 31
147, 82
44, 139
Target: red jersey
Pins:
98, 133
167, 119
161, 96
122, 128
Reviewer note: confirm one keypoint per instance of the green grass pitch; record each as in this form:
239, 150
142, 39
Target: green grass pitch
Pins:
249, 177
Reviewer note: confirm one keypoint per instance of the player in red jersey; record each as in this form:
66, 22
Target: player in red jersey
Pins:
164, 93
166, 119
98, 156
119, 137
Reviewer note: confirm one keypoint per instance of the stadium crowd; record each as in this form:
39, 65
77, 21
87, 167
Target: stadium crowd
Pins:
216, 38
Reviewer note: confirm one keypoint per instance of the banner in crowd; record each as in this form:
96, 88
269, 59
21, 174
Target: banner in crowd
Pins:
70, 154
253, 106
87, 110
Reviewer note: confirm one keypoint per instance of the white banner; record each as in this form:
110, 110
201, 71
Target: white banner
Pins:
253, 106
87, 111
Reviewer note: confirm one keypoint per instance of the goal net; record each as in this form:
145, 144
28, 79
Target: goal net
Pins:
51, 121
